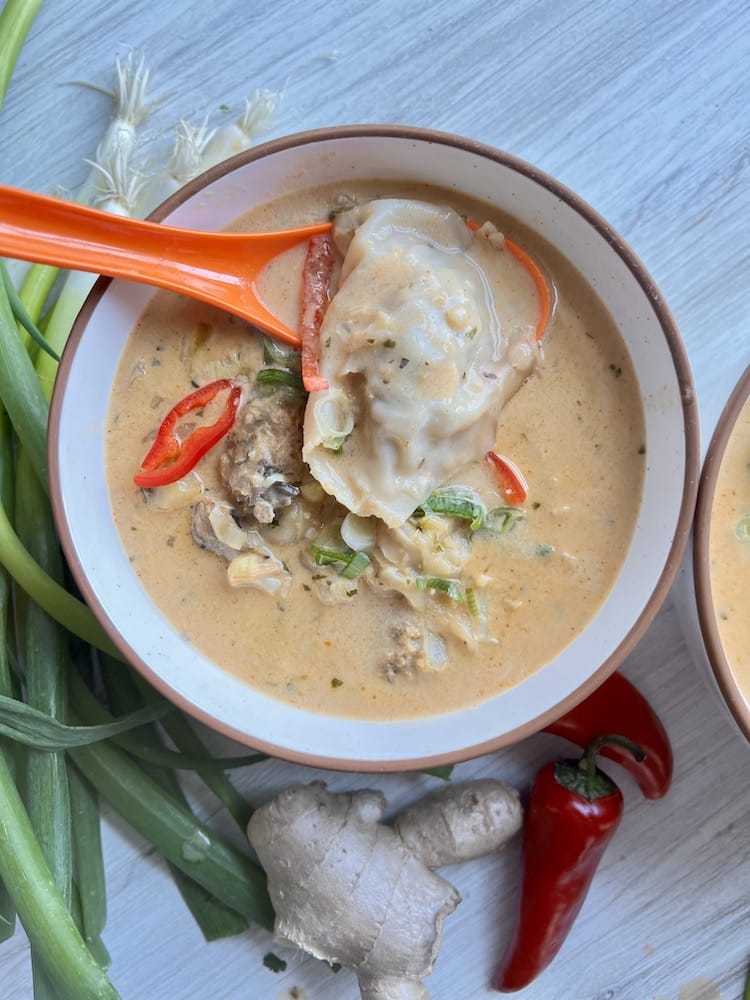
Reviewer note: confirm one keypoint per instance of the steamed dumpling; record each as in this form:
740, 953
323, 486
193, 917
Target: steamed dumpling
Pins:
416, 357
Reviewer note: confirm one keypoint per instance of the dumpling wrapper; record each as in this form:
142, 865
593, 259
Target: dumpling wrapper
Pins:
415, 357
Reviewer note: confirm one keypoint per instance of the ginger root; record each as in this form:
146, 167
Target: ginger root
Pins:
351, 889
346, 888
460, 822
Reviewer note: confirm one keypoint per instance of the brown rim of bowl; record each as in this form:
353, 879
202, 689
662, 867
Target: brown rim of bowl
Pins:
725, 678
690, 423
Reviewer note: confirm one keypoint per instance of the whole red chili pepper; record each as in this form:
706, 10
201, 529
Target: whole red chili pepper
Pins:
617, 706
170, 458
573, 812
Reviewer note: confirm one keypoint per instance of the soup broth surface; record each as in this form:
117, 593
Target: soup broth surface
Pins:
575, 429
729, 549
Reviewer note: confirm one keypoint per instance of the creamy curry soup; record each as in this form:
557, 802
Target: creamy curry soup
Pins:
729, 551
439, 515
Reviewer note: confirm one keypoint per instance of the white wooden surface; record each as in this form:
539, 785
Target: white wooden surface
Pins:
641, 107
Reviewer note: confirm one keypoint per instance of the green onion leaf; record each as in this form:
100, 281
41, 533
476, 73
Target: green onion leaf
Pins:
356, 565
274, 353
34, 728
280, 376
452, 588
455, 501
19, 311
501, 520
329, 549
471, 603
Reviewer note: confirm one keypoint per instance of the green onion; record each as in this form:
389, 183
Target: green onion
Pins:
42, 649
210, 770
274, 353
333, 417
31, 727
471, 602
88, 858
7, 749
175, 833
214, 918
743, 528
21, 392
356, 565
501, 520
15, 21
22, 317
280, 376
46, 592
452, 588
329, 549
455, 501
41, 909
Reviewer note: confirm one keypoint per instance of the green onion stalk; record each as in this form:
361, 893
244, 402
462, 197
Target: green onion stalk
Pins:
42, 646
16, 20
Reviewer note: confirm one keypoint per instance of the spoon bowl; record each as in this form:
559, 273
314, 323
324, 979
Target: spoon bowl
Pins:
220, 268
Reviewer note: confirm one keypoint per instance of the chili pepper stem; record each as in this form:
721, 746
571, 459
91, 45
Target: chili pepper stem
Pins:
584, 777
588, 761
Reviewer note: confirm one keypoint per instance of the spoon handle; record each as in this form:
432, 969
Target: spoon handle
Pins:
219, 268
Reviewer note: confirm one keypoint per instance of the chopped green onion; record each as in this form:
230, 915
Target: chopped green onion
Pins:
471, 602
275, 353
280, 376
501, 520
450, 587
456, 501
333, 416
329, 549
743, 528
356, 565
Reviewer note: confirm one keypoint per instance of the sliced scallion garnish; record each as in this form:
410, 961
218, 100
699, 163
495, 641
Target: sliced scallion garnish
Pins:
456, 501
275, 354
452, 588
280, 376
356, 565
501, 520
329, 549
471, 602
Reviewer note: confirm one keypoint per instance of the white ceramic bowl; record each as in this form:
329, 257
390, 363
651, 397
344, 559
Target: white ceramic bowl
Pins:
93, 548
735, 694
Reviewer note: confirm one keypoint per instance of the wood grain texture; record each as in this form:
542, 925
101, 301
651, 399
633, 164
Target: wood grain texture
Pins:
642, 109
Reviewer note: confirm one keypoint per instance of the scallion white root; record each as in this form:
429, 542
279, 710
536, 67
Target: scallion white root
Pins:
112, 185
233, 138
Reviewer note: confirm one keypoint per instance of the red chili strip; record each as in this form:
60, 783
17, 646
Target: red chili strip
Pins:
170, 458
316, 294
541, 284
617, 706
573, 812
510, 479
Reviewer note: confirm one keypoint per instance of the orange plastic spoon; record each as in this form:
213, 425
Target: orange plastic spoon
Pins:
220, 268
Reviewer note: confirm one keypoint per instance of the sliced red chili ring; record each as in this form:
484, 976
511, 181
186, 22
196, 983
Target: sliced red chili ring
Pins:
169, 458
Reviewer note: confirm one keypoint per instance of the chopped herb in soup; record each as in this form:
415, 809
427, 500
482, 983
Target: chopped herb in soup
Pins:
418, 509
729, 548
